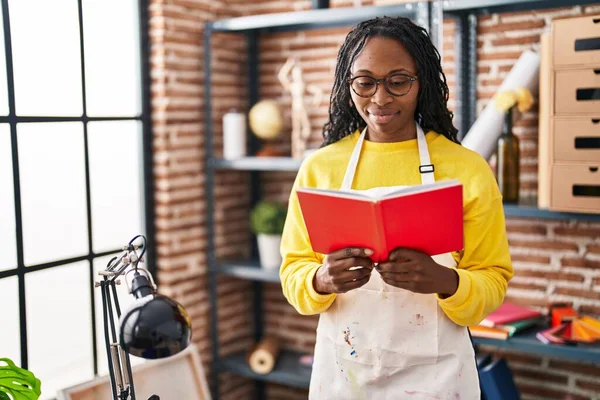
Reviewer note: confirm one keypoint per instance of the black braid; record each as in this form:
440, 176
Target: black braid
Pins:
432, 111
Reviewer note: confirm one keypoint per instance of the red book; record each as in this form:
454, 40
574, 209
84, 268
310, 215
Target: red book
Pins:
509, 312
427, 218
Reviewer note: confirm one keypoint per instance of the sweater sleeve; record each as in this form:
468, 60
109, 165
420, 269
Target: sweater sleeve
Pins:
299, 261
484, 265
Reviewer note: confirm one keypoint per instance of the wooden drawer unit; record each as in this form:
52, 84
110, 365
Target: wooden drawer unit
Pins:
576, 41
577, 91
575, 188
577, 139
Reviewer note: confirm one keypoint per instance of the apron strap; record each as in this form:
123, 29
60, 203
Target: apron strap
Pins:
349, 176
425, 169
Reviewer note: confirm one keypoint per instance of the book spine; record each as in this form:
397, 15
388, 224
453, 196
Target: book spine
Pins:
380, 239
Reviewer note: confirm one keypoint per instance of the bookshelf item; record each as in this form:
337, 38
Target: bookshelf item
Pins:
569, 150
507, 313
263, 357
484, 133
234, 135
497, 381
178, 377
507, 162
428, 218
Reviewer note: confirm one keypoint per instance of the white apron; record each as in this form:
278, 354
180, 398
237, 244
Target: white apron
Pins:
380, 342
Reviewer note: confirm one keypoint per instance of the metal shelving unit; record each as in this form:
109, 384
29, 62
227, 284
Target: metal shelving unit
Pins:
288, 371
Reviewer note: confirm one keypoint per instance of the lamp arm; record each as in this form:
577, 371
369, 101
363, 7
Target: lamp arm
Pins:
105, 312
123, 355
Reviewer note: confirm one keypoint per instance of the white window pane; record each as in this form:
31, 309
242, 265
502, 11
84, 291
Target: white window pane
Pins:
46, 57
59, 326
124, 300
112, 70
10, 344
3, 83
8, 254
52, 171
116, 182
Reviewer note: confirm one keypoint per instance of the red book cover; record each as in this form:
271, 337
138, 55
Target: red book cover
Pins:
508, 312
428, 218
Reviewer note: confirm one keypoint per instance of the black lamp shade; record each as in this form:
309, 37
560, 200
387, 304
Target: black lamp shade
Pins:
155, 326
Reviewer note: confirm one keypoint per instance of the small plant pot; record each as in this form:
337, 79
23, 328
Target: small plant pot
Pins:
268, 251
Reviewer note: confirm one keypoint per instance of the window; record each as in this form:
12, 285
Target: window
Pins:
75, 175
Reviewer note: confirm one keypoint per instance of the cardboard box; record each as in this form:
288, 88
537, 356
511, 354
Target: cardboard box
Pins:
577, 139
577, 91
576, 188
577, 41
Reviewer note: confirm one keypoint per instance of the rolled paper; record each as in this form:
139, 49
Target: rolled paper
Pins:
483, 135
263, 357
234, 135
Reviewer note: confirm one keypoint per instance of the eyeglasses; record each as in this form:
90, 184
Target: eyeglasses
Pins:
396, 84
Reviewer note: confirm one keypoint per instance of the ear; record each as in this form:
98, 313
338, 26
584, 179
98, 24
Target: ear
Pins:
351, 103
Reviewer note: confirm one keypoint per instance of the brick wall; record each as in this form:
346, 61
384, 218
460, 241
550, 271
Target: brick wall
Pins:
553, 260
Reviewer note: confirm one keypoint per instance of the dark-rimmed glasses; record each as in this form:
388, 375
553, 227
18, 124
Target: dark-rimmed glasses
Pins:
395, 84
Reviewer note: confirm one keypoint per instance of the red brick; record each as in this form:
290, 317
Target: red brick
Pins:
537, 229
593, 248
558, 276
526, 301
534, 287
530, 258
579, 262
578, 231
577, 293
578, 368
587, 385
543, 245
525, 25
541, 392
516, 41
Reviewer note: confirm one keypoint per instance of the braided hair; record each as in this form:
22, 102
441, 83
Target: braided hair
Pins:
432, 112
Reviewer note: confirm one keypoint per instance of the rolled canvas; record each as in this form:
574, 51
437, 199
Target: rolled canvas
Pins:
483, 135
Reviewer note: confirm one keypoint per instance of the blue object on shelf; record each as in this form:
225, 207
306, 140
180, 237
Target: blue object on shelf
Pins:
497, 381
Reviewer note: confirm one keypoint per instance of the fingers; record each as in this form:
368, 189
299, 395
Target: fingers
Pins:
398, 267
403, 254
350, 252
356, 284
350, 276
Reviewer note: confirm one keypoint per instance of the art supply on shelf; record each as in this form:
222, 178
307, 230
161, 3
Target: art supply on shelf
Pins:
234, 135
263, 357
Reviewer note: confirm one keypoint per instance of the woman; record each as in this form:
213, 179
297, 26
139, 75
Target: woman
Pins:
397, 329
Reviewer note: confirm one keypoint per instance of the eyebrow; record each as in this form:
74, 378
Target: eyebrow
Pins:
390, 72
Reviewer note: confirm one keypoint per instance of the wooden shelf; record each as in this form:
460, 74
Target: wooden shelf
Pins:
311, 19
526, 211
526, 342
250, 270
288, 370
258, 164
499, 6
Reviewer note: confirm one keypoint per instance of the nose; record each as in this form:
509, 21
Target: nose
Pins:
381, 96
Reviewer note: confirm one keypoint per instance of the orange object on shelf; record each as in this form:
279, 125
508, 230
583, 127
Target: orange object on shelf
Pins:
561, 315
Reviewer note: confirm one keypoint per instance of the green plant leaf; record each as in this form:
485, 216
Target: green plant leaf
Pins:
268, 218
17, 382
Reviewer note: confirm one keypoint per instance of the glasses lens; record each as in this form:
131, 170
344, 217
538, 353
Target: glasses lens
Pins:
364, 86
398, 84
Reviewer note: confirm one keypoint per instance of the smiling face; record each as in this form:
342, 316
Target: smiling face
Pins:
389, 118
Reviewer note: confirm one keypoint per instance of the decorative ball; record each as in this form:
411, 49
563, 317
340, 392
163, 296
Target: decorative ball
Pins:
266, 119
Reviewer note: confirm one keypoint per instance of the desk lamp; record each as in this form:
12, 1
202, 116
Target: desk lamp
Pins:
153, 326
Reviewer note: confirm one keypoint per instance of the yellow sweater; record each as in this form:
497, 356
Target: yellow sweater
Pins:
484, 266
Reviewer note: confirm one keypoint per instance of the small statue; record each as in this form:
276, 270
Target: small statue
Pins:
297, 88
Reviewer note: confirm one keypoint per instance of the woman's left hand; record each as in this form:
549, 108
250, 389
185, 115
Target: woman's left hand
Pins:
415, 271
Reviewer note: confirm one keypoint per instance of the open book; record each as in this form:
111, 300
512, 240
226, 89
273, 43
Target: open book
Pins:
427, 218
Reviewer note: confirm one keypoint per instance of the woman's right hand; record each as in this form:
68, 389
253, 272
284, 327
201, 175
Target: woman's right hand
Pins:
341, 271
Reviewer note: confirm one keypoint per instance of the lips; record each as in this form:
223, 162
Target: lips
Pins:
381, 115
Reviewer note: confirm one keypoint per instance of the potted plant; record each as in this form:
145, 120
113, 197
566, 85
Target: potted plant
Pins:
266, 221
17, 383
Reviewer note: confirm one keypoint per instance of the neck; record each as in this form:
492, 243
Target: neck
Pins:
408, 132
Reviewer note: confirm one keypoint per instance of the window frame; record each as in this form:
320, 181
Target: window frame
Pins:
147, 178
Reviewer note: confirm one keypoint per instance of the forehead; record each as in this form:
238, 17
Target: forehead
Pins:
381, 55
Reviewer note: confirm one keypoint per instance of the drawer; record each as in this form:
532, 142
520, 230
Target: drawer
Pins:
577, 140
576, 41
577, 91
575, 188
